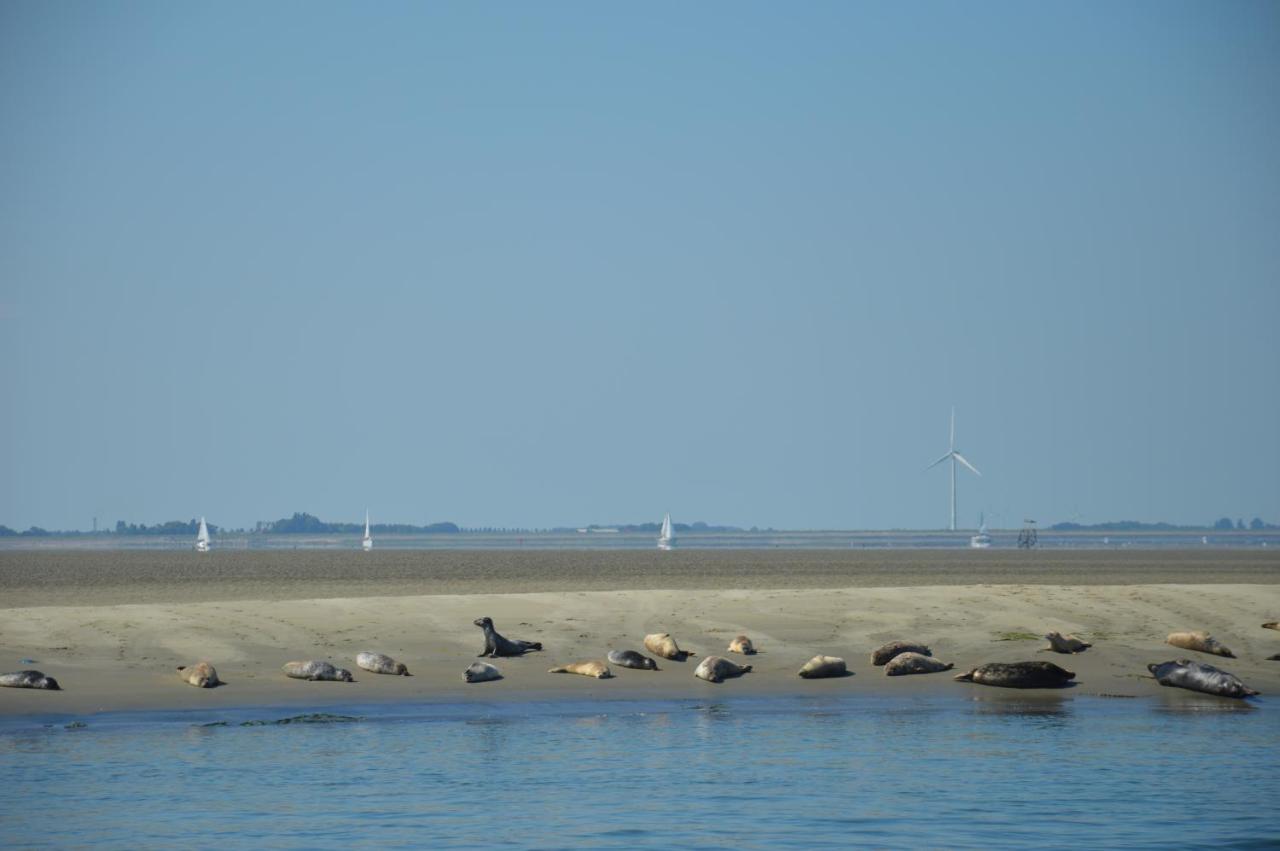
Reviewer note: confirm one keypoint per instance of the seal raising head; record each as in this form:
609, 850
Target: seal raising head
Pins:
1060, 643
632, 659
742, 645
662, 644
200, 675
379, 663
1198, 676
29, 679
495, 645
1019, 675
882, 655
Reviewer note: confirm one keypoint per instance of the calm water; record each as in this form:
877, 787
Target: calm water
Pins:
741, 774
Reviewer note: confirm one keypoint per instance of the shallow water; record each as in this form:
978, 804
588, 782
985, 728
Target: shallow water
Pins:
750, 773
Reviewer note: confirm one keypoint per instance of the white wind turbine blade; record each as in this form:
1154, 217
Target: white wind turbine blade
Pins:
939, 461
953, 428
960, 458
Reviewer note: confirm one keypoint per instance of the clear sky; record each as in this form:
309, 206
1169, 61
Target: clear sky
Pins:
526, 264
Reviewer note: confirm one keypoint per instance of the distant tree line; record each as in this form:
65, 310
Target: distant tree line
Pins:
302, 523
1224, 524
655, 528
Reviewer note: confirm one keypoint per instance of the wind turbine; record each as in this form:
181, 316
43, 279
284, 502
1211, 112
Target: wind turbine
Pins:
954, 456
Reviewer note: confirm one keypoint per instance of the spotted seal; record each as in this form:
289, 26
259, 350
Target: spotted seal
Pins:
632, 659
882, 655
914, 663
820, 667
714, 669
1019, 675
29, 679
379, 663
1199, 640
1060, 643
313, 670
200, 675
742, 645
662, 644
495, 645
1198, 676
481, 672
594, 668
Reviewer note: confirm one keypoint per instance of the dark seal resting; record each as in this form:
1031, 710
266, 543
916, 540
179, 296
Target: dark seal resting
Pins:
1019, 675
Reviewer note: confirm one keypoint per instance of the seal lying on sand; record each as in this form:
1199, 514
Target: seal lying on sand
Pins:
632, 659
714, 669
29, 679
662, 644
1019, 675
1274, 658
200, 675
1198, 676
1060, 643
381, 664
882, 655
313, 671
594, 668
914, 663
481, 672
495, 645
742, 645
820, 667
1198, 640
1271, 625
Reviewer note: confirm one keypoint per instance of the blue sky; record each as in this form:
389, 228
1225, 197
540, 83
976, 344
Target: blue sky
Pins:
535, 265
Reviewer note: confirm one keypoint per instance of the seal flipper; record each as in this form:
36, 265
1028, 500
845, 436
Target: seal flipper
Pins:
967, 676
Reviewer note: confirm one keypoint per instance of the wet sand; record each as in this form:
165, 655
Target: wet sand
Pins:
111, 626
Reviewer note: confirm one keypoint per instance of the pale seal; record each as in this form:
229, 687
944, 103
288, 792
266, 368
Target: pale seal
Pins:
313, 671
1198, 676
742, 645
914, 663
1199, 640
495, 645
29, 679
662, 644
883, 654
379, 663
820, 667
714, 669
200, 675
594, 668
632, 659
1019, 675
1060, 643
481, 672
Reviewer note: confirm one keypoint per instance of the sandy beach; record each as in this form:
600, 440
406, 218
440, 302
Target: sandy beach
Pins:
112, 626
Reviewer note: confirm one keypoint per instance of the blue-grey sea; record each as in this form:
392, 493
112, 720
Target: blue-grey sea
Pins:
989, 771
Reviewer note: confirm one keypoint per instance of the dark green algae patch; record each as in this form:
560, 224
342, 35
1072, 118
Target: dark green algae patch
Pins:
309, 718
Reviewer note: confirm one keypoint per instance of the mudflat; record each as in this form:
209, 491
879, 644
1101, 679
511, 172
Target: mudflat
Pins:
112, 626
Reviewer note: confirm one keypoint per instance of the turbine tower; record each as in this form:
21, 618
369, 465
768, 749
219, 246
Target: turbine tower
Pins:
954, 456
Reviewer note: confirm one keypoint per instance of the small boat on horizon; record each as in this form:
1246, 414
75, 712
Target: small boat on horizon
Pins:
202, 538
367, 543
982, 540
667, 537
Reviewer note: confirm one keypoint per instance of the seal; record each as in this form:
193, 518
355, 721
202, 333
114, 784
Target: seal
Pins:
914, 663
1271, 625
495, 645
1060, 643
1275, 657
594, 668
821, 667
381, 664
29, 679
1198, 676
632, 659
1199, 640
662, 644
714, 669
882, 655
1019, 675
313, 671
481, 672
742, 645
200, 675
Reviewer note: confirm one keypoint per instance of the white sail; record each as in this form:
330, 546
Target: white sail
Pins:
982, 540
367, 543
667, 536
202, 537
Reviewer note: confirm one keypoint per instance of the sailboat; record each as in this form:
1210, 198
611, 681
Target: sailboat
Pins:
982, 540
367, 543
202, 538
667, 536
